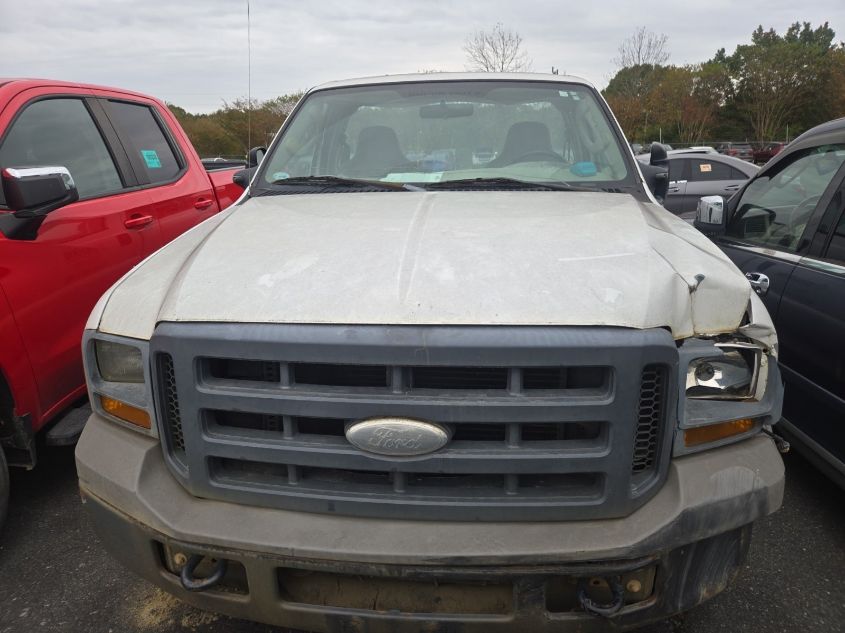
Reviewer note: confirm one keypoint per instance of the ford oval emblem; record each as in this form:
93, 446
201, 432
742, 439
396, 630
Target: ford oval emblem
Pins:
398, 437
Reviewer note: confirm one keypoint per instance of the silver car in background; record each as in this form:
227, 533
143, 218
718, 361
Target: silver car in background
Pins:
693, 174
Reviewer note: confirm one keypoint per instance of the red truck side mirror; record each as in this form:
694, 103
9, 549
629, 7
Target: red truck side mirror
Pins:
31, 193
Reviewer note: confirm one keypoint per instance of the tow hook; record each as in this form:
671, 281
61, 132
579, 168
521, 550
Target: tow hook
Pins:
596, 608
782, 445
201, 584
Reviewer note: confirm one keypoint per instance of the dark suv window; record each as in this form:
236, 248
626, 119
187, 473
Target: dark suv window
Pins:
149, 147
61, 132
775, 208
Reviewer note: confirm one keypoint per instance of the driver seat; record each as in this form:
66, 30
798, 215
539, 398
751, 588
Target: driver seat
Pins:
525, 137
376, 152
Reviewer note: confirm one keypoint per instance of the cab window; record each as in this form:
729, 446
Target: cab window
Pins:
775, 208
61, 132
149, 148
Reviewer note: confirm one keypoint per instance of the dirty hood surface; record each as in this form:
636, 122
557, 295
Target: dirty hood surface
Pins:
518, 258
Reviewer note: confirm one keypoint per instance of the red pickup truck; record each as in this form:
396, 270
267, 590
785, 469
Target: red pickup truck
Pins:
94, 180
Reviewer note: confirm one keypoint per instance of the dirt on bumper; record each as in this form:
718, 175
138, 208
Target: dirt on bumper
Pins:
332, 573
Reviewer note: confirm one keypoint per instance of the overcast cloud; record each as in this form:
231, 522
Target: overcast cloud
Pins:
194, 52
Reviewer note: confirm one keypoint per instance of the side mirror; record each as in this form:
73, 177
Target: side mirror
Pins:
658, 157
31, 193
710, 217
255, 155
656, 173
242, 177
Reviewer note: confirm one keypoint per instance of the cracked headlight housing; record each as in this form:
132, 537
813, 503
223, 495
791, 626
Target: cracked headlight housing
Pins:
731, 389
734, 374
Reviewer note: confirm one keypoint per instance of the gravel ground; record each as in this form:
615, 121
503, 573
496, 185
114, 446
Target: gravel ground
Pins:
54, 576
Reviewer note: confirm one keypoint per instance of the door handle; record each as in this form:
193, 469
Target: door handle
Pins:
732, 187
203, 203
138, 221
759, 282
674, 189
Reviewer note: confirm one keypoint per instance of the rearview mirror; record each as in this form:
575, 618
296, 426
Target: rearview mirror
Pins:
710, 215
445, 110
31, 193
255, 155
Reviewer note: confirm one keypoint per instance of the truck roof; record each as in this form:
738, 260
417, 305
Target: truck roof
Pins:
392, 79
17, 84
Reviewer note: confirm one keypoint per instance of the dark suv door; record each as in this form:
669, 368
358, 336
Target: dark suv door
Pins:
812, 328
787, 232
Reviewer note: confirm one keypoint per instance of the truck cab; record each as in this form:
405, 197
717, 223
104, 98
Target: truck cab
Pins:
94, 180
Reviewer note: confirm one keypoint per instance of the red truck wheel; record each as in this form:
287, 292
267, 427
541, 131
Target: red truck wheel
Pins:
4, 488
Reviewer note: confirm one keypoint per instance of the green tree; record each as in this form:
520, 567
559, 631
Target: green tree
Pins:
777, 78
632, 95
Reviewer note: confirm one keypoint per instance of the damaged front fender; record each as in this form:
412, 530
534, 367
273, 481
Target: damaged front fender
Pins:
760, 327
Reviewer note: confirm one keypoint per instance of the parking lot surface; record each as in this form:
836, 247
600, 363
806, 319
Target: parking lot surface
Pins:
54, 576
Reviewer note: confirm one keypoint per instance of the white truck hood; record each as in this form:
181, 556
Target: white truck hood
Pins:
409, 258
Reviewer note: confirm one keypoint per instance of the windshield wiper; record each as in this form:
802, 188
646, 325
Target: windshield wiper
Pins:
327, 182
503, 183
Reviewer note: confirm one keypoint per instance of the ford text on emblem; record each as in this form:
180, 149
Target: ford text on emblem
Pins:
398, 437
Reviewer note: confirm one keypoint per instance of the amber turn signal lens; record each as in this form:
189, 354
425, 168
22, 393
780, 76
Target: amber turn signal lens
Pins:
716, 432
126, 412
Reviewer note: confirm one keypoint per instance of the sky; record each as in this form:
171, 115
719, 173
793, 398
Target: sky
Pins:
194, 53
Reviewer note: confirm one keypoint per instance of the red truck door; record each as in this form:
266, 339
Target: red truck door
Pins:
163, 158
53, 281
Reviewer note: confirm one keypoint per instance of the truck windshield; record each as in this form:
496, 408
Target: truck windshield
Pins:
440, 131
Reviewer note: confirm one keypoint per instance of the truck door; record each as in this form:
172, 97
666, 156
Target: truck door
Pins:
53, 281
177, 183
811, 328
766, 233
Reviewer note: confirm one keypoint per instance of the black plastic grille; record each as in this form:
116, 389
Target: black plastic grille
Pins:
540, 419
650, 416
170, 407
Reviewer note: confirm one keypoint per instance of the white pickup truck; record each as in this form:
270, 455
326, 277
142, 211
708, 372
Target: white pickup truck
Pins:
399, 387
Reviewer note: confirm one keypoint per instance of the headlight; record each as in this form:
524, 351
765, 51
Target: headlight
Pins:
732, 388
732, 375
117, 373
118, 362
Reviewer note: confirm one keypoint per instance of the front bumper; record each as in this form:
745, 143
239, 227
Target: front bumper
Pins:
325, 572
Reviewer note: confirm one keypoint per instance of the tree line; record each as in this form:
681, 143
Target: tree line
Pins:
770, 89
235, 127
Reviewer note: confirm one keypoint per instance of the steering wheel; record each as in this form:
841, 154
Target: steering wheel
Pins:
790, 231
802, 212
538, 155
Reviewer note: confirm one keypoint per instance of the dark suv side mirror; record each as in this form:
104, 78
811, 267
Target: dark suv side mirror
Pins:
31, 193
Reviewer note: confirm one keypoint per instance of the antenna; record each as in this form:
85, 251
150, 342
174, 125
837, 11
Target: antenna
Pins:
248, 81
